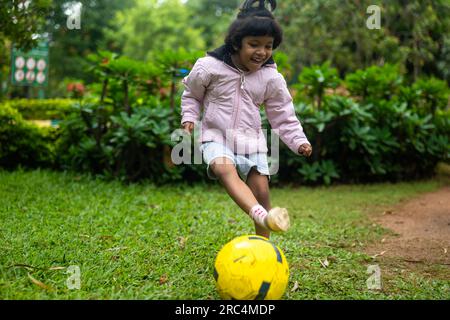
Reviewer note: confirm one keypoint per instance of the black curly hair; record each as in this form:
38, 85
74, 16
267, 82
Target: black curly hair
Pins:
254, 21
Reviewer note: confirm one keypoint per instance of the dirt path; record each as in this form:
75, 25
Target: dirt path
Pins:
422, 231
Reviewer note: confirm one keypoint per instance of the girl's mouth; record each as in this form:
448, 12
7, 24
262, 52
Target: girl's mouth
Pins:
257, 61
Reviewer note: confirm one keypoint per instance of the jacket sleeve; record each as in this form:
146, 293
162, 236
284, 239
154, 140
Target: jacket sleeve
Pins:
281, 114
195, 85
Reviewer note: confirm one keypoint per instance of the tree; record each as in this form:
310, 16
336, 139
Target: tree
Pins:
154, 25
21, 24
213, 17
22, 21
70, 47
422, 29
413, 34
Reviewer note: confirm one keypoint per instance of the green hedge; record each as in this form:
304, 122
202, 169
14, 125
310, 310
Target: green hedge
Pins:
42, 109
23, 144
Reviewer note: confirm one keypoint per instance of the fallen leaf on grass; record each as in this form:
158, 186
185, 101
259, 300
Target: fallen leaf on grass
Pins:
325, 263
39, 283
182, 241
378, 254
296, 286
332, 259
26, 266
106, 237
388, 212
116, 248
163, 279
57, 268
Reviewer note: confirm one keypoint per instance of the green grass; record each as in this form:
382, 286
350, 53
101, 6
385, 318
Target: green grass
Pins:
147, 242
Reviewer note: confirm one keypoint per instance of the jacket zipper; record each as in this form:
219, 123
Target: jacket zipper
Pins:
242, 82
238, 97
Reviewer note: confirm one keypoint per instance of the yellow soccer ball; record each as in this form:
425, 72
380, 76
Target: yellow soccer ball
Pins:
251, 268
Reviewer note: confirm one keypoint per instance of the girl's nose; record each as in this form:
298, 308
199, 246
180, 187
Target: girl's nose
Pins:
260, 53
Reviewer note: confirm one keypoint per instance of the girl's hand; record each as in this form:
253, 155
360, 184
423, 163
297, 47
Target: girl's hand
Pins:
188, 127
305, 149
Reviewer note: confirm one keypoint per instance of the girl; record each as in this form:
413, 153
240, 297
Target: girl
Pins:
231, 83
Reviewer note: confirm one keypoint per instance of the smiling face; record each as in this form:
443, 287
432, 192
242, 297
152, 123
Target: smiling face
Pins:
254, 53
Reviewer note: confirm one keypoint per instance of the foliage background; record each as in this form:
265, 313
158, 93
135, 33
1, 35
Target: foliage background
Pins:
414, 34
373, 102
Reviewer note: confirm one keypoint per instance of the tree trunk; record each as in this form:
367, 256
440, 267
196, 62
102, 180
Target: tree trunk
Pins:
126, 101
172, 94
105, 85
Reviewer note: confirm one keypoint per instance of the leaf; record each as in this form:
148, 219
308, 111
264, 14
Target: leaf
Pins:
163, 279
378, 254
116, 248
57, 268
295, 287
182, 241
39, 283
325, 263
26, 266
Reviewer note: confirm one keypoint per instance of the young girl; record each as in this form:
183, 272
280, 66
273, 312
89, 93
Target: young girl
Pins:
231, 83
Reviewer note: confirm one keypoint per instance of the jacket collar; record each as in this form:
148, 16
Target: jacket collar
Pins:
223, 54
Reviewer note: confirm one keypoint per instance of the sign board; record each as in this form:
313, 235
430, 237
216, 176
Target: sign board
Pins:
30, 68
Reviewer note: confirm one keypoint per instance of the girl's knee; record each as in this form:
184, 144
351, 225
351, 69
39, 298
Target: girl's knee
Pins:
222, 167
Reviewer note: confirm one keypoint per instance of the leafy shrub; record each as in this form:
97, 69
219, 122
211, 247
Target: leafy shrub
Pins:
126, 134
432, 93
313, 81
375, 83
366, 143
129, 147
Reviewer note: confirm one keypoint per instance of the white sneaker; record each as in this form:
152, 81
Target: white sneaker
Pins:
278, 219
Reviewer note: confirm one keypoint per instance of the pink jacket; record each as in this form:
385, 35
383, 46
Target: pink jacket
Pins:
230, 102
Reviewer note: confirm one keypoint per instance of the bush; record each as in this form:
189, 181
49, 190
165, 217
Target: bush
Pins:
118, 145
126, 134
42, 109
386, 131
375, 83
315, 80
367, 143
23, 144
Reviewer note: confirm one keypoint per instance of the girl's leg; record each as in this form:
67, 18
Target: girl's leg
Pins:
259, 185
277, 218
226, 172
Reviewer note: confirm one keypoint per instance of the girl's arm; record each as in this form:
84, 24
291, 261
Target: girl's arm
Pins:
281, 114
195, 85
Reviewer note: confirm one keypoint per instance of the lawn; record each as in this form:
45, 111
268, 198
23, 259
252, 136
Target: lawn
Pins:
148, 242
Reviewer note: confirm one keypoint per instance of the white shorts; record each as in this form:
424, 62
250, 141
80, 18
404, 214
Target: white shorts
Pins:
244, 163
